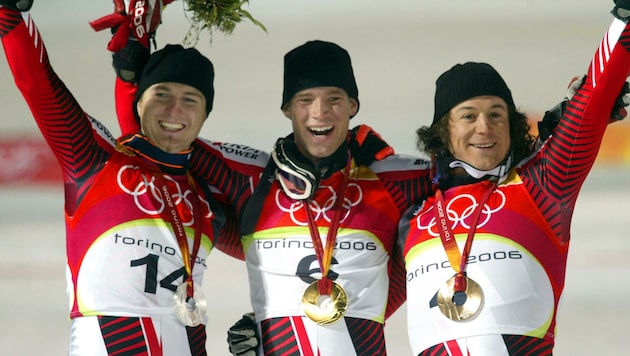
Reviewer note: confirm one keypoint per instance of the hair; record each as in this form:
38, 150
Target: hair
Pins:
436, 138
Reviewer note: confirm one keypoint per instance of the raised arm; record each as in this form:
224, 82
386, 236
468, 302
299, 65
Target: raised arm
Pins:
563, 163
77, 140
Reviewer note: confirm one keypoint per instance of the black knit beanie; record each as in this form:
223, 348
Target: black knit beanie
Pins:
465, 81
318, 64
177, 64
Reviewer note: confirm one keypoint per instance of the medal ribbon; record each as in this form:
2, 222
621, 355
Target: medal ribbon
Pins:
178, 227
324, 256
180, 232
458, 259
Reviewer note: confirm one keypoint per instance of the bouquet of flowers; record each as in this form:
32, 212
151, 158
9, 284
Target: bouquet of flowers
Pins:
220, 15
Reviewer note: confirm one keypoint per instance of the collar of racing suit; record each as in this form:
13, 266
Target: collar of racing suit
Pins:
325, 167
140, 145
450, 172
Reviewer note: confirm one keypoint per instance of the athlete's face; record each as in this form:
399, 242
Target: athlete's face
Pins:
479, 131
171, 115
320, 117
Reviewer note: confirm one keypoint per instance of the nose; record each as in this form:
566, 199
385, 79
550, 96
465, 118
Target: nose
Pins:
319, 108
173, 106
483, 124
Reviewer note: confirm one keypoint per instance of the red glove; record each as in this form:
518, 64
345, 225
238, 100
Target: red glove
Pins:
137, 19
367, 145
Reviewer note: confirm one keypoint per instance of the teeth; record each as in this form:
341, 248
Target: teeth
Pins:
321, 130
484, 146
171, 126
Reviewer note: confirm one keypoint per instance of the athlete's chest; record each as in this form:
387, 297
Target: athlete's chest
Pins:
362, 205
506, 210
126, 191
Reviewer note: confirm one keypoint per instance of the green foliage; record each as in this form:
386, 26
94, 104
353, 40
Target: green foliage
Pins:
220, 15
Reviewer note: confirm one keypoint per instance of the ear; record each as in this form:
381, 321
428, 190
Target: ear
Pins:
139, 106
354, 107
286, 110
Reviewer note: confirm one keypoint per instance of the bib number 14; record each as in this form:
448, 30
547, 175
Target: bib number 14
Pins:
151, 279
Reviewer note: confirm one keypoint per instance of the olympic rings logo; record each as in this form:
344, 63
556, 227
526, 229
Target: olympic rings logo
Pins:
148, 198
459, 211
353, 197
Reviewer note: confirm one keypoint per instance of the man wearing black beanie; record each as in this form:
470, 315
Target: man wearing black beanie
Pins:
139, 226
174, 96
486, 254
319, 230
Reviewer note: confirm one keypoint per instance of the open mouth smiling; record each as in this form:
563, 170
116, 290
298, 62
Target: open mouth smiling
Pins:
321, 131
485, 145
171, 126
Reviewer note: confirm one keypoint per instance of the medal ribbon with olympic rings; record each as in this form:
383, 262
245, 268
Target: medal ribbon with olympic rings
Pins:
458, 259
324, 256
179, 230
173, 217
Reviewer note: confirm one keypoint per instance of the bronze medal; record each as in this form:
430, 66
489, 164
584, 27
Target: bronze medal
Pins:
190, 311
460, 306
325, 309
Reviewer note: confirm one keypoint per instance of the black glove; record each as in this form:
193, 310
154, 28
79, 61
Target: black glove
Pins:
622, 102
550, 120
129, 61
17, 5
242, 337
132, 35
552, 117
367, 146
621, 10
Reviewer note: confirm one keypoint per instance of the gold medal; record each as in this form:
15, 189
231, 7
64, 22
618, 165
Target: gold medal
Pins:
190, 311
325, 309
460, 306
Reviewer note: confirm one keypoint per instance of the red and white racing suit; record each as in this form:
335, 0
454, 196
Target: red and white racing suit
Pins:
124, 261
521, 240
282, 262
280, 254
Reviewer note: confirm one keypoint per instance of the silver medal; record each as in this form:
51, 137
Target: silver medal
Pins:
190, 311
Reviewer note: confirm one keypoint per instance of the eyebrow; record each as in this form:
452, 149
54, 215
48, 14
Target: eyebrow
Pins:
335, 91
168, 89
331, 91
495, 106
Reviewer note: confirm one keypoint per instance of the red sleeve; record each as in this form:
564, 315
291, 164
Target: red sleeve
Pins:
229, 239
397, 294
233, 169
557, 172
124, 94
407, 182
79, 142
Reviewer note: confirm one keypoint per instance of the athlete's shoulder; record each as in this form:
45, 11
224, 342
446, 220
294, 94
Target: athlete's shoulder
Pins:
101, 132
235, 152
400, 163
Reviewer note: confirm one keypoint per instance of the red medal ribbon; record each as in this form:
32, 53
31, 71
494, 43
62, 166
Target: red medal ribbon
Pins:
324, 255
178, 227
458, 259
173, 217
